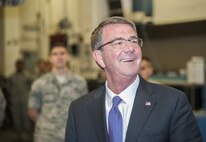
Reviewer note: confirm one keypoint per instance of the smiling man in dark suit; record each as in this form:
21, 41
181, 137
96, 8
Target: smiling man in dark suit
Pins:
128, 108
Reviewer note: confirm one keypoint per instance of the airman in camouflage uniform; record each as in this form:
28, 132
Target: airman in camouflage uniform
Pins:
51, 96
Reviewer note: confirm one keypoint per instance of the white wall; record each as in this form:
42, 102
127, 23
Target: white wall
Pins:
174, 11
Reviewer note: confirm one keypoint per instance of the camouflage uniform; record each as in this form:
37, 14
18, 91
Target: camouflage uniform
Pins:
2, 107
53, 100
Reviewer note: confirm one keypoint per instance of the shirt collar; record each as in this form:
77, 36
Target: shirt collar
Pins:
128, 95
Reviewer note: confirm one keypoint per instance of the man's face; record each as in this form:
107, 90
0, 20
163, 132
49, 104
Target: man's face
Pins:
124, 62
59, 57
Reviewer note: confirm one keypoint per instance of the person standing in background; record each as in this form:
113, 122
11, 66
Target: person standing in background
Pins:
146, 69
127, 108
2, 107
19, 85
51, 95
43, 67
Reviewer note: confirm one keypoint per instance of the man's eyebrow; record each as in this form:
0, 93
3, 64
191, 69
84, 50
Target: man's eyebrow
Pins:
133, 37
117, 38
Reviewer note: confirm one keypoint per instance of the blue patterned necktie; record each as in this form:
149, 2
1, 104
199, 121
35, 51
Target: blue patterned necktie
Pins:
115, 122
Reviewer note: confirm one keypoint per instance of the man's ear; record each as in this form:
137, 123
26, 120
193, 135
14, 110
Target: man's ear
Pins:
97, 54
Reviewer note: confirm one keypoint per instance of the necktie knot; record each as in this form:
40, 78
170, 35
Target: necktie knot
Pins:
116, 101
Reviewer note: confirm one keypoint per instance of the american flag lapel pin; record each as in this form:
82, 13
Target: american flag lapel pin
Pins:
148, 103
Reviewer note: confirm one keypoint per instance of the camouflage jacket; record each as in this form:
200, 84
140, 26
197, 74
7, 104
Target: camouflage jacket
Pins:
53, 100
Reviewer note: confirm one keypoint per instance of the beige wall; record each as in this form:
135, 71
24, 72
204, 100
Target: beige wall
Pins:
11, 35
1, 42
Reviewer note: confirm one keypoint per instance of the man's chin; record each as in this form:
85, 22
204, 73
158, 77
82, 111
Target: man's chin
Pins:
60, 67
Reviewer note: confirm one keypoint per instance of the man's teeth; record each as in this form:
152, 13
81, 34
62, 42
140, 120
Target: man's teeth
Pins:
128, 60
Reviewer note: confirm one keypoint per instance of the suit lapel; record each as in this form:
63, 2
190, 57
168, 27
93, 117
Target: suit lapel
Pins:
143, 106
97, 114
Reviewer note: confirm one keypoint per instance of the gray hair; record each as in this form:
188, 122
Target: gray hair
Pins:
96, 37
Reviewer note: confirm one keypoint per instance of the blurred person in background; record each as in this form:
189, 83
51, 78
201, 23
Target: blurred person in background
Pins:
48, 66
2, 107
19, 84
51, 95
146, 68
43, 67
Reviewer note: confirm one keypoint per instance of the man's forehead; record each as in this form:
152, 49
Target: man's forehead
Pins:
58, 48
117, 29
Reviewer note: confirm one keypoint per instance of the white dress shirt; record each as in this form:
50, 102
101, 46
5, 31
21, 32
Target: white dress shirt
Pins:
125, 107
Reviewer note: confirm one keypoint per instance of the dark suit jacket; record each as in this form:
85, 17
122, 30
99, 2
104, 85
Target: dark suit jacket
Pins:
159, 114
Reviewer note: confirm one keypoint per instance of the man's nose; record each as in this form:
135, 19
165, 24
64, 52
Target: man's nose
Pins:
129, 46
